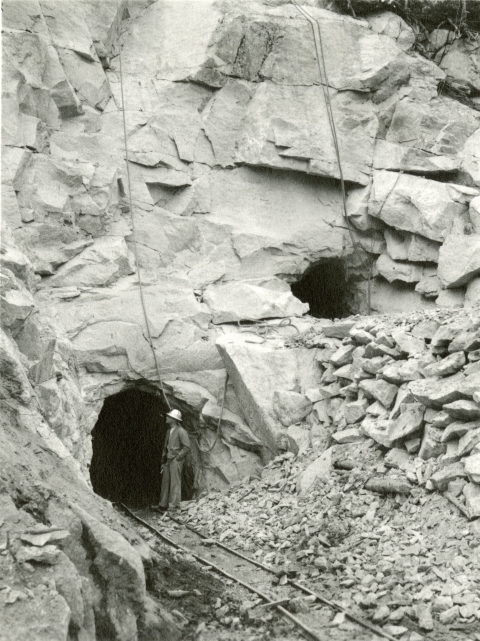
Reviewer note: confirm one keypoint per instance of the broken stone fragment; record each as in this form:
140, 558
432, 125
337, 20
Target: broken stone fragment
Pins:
41, 539
290, 407
463, 410
351, 435
451, 298
432, 205
434, 392
468, 441
408, 344
459, 259
471, 492
445, 475
432, 445
447, 366
458, 429
380, 390
47, 554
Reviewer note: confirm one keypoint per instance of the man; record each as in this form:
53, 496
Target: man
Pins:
176, 448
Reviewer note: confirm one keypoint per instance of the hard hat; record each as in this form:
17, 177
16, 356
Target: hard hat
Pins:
176, 414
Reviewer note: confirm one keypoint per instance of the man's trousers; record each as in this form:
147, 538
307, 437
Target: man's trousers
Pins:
171, 493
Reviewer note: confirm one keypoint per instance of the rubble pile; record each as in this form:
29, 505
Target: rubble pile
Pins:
406, 562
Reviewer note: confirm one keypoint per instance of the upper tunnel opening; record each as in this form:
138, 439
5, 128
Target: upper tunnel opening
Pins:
324, 287
127, 443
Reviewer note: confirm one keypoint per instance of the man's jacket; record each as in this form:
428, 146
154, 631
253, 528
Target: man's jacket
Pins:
177, 444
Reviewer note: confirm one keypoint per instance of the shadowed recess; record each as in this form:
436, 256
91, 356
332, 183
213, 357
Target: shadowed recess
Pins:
127, 441
324, 287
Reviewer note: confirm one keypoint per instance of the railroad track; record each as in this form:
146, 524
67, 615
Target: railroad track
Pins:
279, 600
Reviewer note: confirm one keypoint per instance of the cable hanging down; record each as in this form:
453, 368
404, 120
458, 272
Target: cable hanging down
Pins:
322, 70
134, 238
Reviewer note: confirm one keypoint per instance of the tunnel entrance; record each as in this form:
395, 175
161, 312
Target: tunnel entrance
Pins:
324, 287
127, 442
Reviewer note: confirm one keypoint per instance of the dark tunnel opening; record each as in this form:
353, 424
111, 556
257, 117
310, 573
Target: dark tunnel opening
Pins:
324, 287
127, 443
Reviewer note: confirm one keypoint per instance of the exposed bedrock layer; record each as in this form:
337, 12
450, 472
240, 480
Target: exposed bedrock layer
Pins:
239, 225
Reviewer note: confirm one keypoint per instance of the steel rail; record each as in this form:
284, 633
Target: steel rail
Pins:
295, 584
299, 586
285, 613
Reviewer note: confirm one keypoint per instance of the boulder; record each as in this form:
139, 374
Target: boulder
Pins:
257, 371
460, 62
458, 429
468, 441
447, 366
472, 468
234, 430
432, 445
451, 298
290, 407
471, 492
434, 392
378, 430
463, 410
417, 205
343, 356
355, 411
237, 301
459, 258
445, 475
426, 137
408, 422
380, 391
472, 294
429, 286
318, 470
124, 591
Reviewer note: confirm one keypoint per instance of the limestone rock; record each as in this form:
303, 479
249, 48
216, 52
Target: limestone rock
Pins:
252, 368
442, 477
463, 410
106, 260
429, 286
232, 302
408, 423
45, 615
319, 469
343, 356
414, 204
426, 137
432, 445
355, 411
286, 126
393, 270
458, 429
411, 247
380, 390
435, 393
125, 590
447, 366
461, 63
290, 407
472, 467
468, 441
14, 381
350, 435
459, 259
472, 294
451, 298
471, 492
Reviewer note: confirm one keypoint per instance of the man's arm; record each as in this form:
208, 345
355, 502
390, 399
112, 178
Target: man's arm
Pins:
185, 441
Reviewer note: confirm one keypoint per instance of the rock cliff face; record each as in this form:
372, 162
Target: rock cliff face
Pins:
234, 182
236, 197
